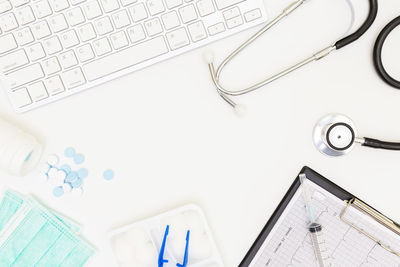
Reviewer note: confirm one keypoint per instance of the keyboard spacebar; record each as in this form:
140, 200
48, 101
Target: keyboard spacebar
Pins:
125, 58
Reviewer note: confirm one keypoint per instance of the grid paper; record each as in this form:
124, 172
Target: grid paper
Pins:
289, 243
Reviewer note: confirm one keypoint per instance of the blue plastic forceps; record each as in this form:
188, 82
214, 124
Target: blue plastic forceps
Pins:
161, 259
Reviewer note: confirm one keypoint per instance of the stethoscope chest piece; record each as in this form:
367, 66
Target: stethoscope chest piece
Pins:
335, 135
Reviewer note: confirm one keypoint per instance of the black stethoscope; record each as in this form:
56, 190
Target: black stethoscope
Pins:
377, 55
336, 135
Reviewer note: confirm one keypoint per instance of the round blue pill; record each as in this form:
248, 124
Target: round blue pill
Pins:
83, 173
72, 176
58, 191
108, 175
76, 183
79, 159
66, 168
69, 152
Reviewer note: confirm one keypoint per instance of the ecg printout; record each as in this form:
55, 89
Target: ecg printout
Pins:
289, 243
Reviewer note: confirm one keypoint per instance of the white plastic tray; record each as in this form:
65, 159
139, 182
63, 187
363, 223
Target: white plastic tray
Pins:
138, 244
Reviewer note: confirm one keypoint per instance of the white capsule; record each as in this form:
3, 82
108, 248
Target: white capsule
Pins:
52, 173
52, 160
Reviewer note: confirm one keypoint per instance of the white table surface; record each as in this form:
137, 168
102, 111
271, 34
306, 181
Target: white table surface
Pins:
171, 140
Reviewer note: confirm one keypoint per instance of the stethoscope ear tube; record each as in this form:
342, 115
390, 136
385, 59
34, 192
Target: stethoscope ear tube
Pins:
377, 55
373, 11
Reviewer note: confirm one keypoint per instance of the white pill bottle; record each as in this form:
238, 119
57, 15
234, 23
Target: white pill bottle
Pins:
20, 152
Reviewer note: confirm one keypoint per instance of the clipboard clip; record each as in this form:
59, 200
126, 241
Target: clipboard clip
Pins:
388, 223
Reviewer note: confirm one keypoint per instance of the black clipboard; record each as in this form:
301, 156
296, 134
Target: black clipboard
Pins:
328, 186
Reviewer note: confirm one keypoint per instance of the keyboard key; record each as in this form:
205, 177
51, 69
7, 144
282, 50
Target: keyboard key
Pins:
138, 12
41, 30
20, 98
58, 23
153, 27
127, 2
121, 19
136, 33
25, 75
5, 6
234, 22
52, 45
92, 9
86, 32
41, 9
125, 58
109, 5
155, 7
173, 3
119, 40
73, 78
103, 26
197, 31
232, 13
25, 15
75, 16
221, 4
76, 2
24, 36
170, 20
37, 91
35, 52
102, 46
7, 43
69, 39
51, 65
13, 60
188, 13
18, 3
178, 38
85, 53
54, 85
68, 59
8, 22
59, 5
205, 7
252, 15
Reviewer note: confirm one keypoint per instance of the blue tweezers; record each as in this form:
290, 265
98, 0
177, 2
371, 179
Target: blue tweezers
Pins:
161, 259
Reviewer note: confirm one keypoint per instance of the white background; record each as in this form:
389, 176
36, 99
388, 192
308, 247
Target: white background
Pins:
171, 140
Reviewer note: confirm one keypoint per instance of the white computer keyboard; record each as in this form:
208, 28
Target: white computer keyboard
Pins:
50, 49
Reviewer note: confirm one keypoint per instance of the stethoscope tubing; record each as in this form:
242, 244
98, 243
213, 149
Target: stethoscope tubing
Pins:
377, 54
225, 93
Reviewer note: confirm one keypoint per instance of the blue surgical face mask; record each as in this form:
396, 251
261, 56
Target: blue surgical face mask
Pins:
31, 235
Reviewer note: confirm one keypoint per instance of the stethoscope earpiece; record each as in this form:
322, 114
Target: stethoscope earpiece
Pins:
335, 135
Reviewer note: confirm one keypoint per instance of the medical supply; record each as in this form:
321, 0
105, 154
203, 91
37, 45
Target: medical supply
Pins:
161, 259
141, 243
356, 233
53, 49
336, 135
32, 235
227, 93
314, 227
108, 175
61, 175
20, 152
377, 56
